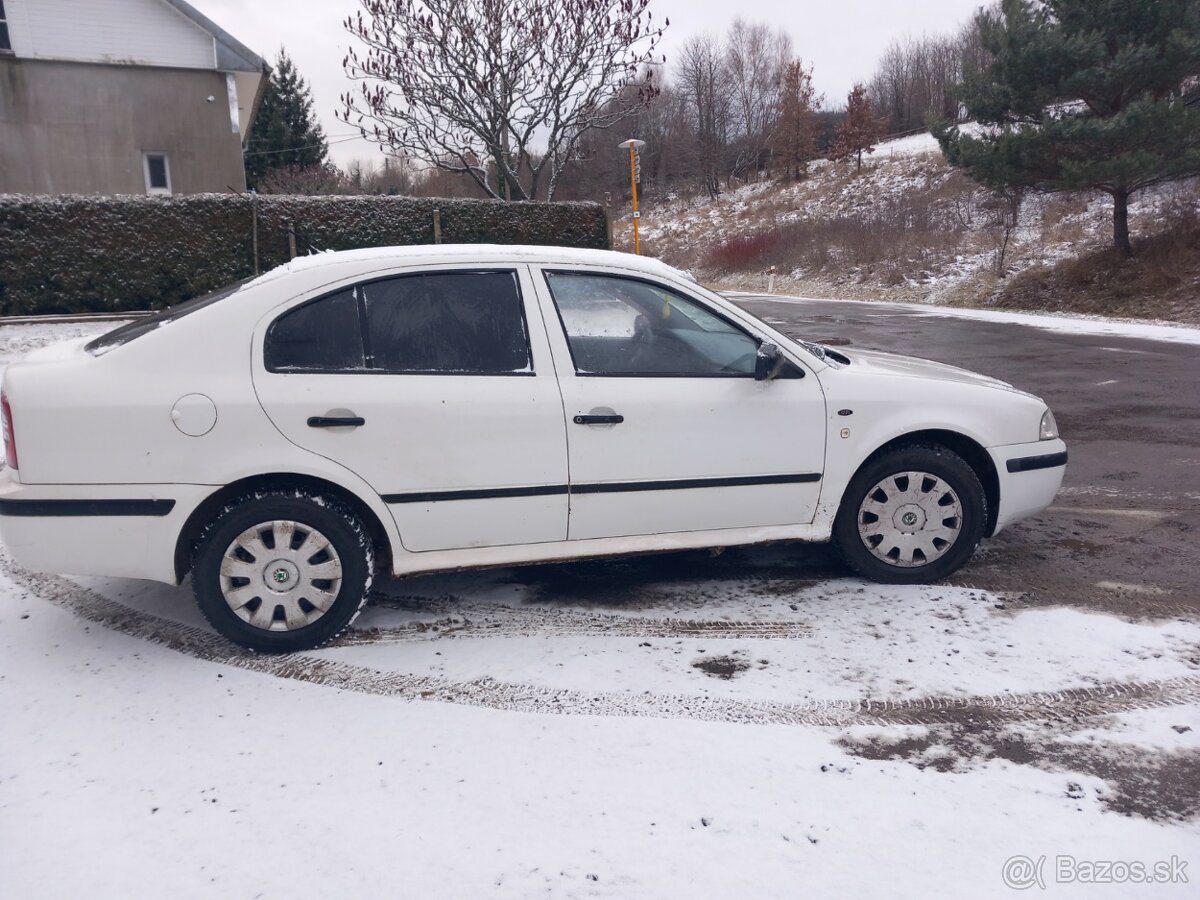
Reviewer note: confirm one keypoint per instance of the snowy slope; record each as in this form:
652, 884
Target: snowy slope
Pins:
907, 227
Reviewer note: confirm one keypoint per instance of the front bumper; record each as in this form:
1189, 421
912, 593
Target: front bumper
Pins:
1030, 476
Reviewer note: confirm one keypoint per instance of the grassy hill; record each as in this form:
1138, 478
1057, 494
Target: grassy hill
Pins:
909, 227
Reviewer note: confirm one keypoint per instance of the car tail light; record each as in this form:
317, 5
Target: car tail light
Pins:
10, 441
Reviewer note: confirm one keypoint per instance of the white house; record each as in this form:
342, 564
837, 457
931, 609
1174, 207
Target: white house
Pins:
122, 97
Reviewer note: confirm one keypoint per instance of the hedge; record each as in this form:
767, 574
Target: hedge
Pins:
67, 254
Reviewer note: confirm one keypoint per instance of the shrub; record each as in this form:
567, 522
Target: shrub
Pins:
894, 239
742, 253
67, 254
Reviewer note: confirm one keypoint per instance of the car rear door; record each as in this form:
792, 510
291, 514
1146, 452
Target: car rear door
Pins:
668, 431
437, 388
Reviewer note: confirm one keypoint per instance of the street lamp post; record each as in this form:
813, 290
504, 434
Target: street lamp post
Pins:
633, 146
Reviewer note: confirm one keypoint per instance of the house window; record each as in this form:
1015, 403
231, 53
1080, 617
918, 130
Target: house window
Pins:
158, 173
5, 41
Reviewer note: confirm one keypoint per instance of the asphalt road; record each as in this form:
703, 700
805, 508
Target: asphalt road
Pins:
1123, 533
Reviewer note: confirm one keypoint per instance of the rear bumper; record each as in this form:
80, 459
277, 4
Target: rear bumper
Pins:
125, 531
1030, 476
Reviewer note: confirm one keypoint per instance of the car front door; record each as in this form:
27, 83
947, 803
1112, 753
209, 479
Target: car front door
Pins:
438, 390
668, 430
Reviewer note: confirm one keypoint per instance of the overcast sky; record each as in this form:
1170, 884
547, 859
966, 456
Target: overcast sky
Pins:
842, 39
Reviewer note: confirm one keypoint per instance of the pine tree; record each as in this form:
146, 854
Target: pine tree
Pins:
1095, 95
285, 131
795, 139
860, 131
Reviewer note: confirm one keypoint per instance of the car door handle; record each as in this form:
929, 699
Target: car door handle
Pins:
599, 420
336, 421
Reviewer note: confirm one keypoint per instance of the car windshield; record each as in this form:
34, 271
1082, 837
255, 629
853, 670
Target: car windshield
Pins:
135, 329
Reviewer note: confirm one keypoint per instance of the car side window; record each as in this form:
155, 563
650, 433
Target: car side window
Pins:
322, 336
469, 323
626, 326
464, 323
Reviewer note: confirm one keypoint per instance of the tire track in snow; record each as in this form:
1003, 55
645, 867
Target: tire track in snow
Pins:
524, 621
1102, 699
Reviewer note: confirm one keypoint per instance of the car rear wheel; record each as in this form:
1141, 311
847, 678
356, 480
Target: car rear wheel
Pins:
912, 516
282, 571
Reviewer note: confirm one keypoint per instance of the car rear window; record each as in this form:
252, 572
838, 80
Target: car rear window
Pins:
431, 323
447, 322
135, 329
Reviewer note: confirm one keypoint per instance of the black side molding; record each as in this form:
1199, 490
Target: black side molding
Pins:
1032, 463
617, 487
10, 507
537, 490
608, 487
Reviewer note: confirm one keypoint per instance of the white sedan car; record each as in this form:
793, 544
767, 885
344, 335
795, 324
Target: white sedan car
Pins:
434, 408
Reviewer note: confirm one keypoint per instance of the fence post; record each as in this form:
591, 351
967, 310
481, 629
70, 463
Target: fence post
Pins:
608, 216
254, 226
437, 226
291, 239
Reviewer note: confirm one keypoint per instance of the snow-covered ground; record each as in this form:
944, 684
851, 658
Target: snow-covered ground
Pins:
644, 730
512, 748
921, 143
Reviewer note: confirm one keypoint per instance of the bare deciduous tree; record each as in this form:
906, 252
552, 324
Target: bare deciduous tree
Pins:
499, 90
703, 80
915, 77
756, 57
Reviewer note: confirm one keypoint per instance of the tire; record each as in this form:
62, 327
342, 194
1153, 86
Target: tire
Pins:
912, 516
273, 599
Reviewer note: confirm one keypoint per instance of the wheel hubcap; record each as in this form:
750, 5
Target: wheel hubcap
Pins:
910, 519
280, 575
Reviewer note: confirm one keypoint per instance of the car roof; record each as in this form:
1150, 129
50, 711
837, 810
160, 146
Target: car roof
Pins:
474, 253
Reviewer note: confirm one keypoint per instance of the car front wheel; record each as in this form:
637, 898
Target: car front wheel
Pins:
912, 516
282, 571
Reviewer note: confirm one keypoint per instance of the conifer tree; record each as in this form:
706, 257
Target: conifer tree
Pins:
285, 131
1084, 95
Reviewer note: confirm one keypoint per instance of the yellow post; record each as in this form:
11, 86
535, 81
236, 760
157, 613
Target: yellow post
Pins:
633, 146
637, 236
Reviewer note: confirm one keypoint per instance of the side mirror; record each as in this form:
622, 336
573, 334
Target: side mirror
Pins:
768, 363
